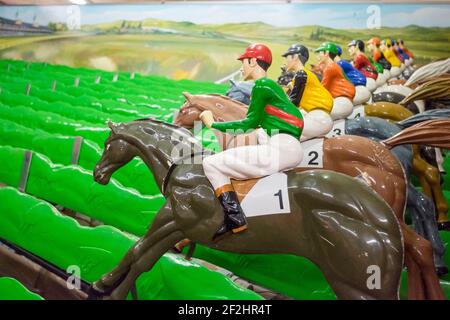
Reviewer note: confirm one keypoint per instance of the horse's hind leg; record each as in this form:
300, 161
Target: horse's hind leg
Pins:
162, 226
364, 265
422, 211
145, 262
421, 252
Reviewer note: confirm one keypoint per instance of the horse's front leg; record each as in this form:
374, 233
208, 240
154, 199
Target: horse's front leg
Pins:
162, 226
146, 261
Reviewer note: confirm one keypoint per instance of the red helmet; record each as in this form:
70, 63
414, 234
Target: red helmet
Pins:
258, 51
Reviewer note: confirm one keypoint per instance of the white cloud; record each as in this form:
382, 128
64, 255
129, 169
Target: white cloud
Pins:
427, 17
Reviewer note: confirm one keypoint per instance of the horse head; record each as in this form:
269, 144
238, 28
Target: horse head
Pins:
156, 142
189, 112
116, 153
222, 107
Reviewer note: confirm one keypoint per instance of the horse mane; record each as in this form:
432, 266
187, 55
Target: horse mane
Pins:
425, 116
166, 124
434, 89
429, 71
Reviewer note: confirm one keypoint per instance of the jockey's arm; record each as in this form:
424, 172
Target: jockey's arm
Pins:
299, 87
328, 77
358, 63
254, 113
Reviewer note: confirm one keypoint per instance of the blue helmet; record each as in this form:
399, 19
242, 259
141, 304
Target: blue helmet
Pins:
339, 50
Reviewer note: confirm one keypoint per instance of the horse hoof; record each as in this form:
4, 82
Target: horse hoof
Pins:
441, 271
444, 226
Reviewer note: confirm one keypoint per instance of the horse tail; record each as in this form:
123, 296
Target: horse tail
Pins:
433, 89
424, 116
429, 71
434, 133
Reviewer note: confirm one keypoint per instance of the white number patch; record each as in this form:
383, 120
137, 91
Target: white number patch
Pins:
268, 196
312, 154
337, 130
358, 112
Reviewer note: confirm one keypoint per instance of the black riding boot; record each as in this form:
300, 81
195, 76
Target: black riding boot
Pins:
234, 219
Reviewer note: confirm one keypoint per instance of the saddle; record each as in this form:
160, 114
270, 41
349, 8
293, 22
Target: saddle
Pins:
243, 187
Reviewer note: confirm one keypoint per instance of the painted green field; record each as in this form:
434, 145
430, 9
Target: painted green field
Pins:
184, 50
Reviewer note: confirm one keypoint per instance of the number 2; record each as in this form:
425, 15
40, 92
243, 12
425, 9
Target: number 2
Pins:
337, 131
314, 155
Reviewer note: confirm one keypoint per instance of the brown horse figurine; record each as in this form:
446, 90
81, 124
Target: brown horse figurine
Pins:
335, 221
351, 155
429, 176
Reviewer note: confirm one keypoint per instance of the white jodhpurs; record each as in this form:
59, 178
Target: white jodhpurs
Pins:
395, 72
342, 108
402, 67
279, 152
317, 123
381, 80
371, 84
387, 74
362, 95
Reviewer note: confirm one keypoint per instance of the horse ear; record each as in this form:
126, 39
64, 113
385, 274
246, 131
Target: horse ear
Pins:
112, 126
188, 96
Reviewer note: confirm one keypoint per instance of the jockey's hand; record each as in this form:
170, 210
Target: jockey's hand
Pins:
207, 118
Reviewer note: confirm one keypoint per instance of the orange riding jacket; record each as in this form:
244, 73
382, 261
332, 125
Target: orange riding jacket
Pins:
335, 82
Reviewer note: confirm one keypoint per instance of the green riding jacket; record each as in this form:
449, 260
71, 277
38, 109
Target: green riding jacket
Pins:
378, 66
269, 109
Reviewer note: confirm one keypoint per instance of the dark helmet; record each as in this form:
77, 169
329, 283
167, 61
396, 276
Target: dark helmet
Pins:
299, 49
357, 43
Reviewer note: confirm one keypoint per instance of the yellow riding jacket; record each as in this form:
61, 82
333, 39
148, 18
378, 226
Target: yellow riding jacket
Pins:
392, 58
315, 96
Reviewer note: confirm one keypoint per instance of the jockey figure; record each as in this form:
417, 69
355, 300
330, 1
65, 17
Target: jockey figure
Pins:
306, 92
362, 94
278, 148
333, 79
386, 48
402, 46
377, 55
362, 63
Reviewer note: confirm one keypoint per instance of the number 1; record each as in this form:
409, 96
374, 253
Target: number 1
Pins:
280, 196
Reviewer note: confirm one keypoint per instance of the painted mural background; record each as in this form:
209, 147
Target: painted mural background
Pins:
193, 41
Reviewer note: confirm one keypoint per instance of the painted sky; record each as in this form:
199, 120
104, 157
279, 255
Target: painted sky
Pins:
331, 15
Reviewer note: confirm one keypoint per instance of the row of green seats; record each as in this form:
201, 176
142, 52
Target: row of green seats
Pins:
39, 228
105, 105
59, 149
162, 99
11, 289
109, 77
97, 117
74, 188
